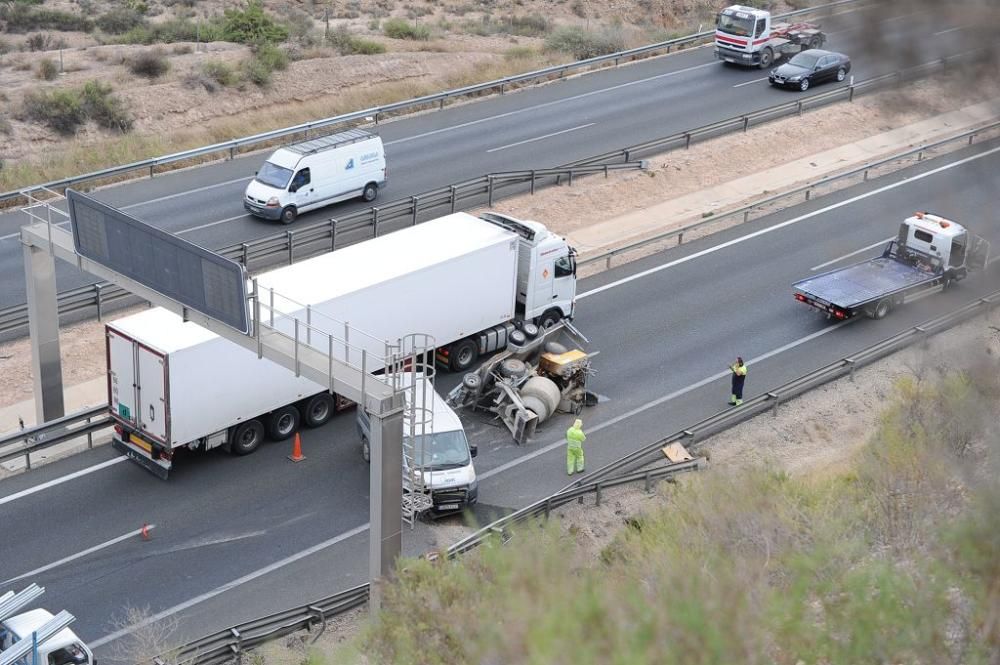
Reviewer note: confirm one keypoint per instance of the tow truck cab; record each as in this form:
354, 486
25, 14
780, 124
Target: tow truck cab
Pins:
940, 244
63, 648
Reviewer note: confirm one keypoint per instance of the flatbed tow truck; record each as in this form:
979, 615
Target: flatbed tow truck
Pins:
745, 36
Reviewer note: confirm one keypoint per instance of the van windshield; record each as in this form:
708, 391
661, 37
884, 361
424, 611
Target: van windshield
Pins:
448, 450
274, 175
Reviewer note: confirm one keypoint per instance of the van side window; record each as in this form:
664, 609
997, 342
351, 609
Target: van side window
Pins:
760, 28
565, 267
923, 236
301, 178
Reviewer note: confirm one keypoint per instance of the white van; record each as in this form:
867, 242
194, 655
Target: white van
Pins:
448, 469
317, 173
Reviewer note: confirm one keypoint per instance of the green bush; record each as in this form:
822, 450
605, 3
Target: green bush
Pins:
174, 30
60, 110
519, 53
272, 57
47, 69
220, 72
150, 64
257, 72
104, 108
119, 20
583, 44
399, 28
21, 18
348, 44
250, 25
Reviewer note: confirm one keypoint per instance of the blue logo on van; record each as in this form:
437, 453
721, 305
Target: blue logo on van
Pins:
350, 164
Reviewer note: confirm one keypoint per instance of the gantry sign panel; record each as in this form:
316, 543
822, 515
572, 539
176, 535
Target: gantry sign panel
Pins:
184, 272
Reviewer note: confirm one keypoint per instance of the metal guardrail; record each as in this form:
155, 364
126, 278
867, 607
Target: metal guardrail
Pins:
321, 237
372, 114
228, 644
75, 425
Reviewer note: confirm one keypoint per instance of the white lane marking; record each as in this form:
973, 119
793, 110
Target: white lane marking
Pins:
658, 401
740, 85
79, 555
59, 481
249, 577
185, 193
215, 223
540, 138
552, 103
794, 220
855, 252
945, 32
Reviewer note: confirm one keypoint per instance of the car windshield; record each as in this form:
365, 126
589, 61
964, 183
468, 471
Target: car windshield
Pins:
274, 175
448, 450
735, 25
804, 60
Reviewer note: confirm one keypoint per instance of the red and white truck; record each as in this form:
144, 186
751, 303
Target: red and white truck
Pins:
746, 36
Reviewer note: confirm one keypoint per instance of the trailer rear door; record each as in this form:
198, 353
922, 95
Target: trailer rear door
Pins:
152, 393
121, 377
979, 253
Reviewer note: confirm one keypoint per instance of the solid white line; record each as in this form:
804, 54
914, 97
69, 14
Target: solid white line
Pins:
228, 586
539, 138
552, 103
658, 401
79, 555
795, 220
847, 256
945, 32
59, 481
186, 192
740, 85
215, 223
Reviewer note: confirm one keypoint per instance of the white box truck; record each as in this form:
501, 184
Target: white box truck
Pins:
317, 173
466, 281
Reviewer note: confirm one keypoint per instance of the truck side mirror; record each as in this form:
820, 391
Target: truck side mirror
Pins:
473, 450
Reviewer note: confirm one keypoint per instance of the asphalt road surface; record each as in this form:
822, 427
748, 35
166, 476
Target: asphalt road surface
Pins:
237, 538
539, 127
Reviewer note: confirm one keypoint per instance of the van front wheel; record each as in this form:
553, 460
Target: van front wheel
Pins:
371, 191
288, 215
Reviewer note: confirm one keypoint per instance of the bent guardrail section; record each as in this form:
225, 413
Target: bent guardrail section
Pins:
372, 114
229, 644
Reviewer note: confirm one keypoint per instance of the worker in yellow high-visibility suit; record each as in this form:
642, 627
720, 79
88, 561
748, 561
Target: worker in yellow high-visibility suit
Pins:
739, 370
574, 448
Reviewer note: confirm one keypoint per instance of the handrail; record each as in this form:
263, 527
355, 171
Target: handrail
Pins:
225, 645
74, 425
373, 113
321, 237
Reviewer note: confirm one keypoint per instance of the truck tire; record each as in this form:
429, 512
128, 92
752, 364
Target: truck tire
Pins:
880, 309
549, 319
283, 423
766, 58
289, 214
463, 355
317, 410
370, 192
816, 41
246, 437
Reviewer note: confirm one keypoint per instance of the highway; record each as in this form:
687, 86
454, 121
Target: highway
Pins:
539, 127
236, 538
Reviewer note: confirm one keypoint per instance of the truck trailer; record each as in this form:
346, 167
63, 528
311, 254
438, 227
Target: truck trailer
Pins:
469, 282
929, 252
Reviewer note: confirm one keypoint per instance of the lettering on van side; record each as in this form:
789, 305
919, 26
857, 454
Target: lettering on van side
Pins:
369, 157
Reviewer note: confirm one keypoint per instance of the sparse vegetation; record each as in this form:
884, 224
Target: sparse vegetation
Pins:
348, 44
64, 111
220, 72
21, 17
399, 28
251, 25
47, 69
104, 108
173, 30
583, 44
119, 20
150, 64
520, 53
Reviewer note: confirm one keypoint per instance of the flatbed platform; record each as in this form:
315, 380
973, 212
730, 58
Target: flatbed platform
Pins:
862, 283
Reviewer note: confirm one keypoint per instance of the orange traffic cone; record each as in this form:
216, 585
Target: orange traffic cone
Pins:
145, 531
297, 455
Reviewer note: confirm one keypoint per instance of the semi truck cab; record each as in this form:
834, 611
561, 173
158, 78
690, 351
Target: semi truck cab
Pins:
746, 36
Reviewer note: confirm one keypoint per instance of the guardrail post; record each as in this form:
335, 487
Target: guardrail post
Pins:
571, 177
503, 89
798, 108
971, 136
597, 494
90, 437
532, 182
850, 96
375, 221
605, 171
150, 170
489, 180
680, 238
238, 647
851, 365
746, 216
808, 194
628, 153
441, 106
687, 140
866, 175
232, 152
746, 123
97, 288
333, 234
454, 191
607, 261
246, 253
290, 237
647, 483
777, 400
548, 507
375, 118
415, 200
920, 156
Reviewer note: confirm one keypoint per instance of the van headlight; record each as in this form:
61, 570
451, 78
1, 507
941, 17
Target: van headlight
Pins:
273, 202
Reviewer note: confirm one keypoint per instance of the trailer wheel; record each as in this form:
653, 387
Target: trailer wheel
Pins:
463, 354
246, 437
371, 191
766, 57
366, 450
549, 319
283, 423
880, 309
317, 410
289, 214
816, 41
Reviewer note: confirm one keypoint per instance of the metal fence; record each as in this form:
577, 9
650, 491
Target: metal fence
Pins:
321, 237
436, 101
24, 443
228, 644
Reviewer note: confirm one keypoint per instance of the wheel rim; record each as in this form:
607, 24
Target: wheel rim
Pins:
549, 321
249, 438
804, 85
464, 356
841, 74
288, 216
320, 412
370, 192
286, 423
765, 58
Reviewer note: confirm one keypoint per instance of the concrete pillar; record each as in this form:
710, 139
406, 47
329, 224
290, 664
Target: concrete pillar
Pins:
385, 534
43, 327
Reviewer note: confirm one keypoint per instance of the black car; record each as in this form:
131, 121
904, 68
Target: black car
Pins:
809, 67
